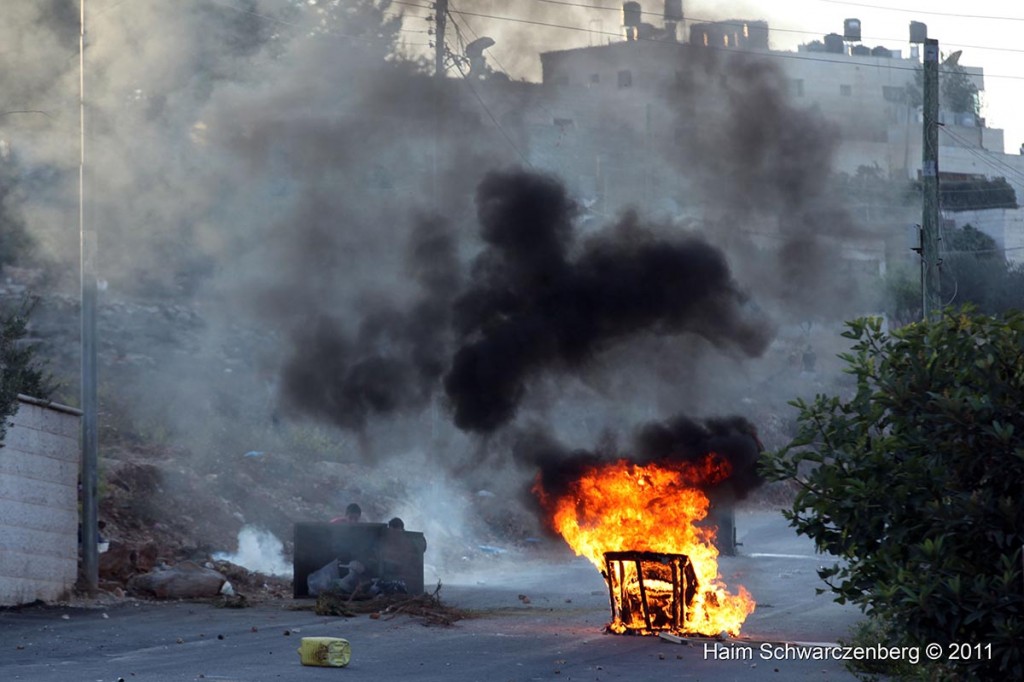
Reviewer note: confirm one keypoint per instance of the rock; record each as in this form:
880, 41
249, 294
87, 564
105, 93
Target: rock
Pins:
187, 580
122, 561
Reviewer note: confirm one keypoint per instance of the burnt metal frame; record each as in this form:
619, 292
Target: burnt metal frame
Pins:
682, 571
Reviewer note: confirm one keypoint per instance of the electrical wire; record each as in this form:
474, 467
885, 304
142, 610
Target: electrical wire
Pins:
490, 114
774, 54
993, 163
926, 12
501, 66
773, 28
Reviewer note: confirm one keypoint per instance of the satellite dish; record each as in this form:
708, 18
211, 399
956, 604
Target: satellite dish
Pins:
476, 48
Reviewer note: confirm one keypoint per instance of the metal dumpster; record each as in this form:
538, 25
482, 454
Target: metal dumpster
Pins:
387, 553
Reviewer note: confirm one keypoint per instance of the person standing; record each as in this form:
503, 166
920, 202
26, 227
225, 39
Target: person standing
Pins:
353, 514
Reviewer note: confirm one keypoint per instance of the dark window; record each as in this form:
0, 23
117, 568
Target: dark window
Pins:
561, 79
595, 78
625, 78
796, 87
892, 94
563, 123
845, 90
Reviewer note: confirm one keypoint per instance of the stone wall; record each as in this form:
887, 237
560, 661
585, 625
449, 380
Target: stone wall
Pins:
39, 464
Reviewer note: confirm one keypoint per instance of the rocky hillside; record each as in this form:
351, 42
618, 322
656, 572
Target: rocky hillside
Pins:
192, 448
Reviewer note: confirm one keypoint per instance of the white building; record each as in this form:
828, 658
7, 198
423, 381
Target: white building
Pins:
867, 93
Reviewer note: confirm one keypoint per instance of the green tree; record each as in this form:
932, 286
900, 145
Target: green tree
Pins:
914, 482
957, 92
901, 296
975, 271
15, 242
19, 371
371, 27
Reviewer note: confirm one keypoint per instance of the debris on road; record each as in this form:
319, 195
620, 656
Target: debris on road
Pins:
186, 580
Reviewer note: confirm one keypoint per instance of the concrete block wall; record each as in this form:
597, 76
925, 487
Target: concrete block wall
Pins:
39, 464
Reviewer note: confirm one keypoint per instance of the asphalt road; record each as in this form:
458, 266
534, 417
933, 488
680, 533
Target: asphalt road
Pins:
556, 636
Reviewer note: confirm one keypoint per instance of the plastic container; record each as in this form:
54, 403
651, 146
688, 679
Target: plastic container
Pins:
327, 652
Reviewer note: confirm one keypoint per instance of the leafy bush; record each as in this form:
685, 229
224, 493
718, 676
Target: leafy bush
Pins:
15, 242
915, 480
18, 370
977, 194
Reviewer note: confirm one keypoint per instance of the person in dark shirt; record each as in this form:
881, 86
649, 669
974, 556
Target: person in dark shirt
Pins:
353, 514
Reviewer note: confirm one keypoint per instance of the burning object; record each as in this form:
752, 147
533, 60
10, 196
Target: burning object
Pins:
649, 591
641, 526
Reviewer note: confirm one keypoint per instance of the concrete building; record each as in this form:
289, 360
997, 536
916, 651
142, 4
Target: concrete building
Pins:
609, 103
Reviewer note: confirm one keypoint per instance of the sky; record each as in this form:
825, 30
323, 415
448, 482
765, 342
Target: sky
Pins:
988, 32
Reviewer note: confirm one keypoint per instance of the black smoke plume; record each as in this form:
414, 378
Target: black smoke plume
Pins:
678, 440
396, 357
681, 438
536, 303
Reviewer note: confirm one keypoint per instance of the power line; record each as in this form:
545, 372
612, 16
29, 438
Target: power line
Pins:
495, 57
777, 54
772, 28
477, 36
994, 163
915, 11
490, 114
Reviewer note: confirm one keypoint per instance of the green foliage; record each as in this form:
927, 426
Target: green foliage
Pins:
977, 194
15, 242
901, 296
372, 27
914, 482
974, 270
18, 370
957, 91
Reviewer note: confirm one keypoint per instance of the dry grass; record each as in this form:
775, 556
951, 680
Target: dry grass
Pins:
427, 607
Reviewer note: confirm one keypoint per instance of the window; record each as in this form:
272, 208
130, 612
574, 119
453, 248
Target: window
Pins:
845, 90
595, 78
892, 94
625, 78
795, 87
561, 79
563, 123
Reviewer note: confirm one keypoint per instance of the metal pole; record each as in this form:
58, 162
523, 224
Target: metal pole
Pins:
440, 22
930, 183
441, 18
87, 257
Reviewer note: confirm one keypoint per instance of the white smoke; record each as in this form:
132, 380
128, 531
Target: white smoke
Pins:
259, 551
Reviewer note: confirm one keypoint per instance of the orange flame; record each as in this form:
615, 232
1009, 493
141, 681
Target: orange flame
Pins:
655, 507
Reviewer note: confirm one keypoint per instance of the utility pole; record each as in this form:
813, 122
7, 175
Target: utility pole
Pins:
930, 260
440, 20
87, 264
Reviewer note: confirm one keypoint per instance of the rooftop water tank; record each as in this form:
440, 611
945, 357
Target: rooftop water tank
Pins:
918, 32
631, 13
851, 30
